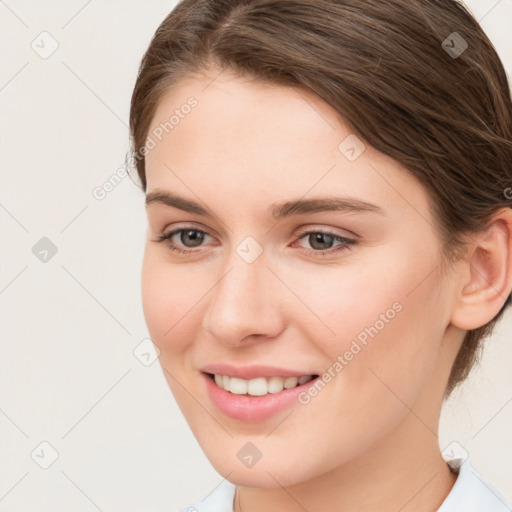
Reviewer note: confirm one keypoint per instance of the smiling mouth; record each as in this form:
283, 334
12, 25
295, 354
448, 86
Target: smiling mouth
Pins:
259, 386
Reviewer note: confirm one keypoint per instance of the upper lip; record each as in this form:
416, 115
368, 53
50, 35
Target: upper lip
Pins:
253, 371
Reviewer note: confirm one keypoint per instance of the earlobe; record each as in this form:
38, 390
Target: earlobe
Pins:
488, 274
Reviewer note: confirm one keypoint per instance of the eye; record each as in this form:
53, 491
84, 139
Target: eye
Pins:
187, 235
320, 241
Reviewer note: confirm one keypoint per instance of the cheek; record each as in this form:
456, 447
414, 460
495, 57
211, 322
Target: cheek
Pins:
167, 298
388, 336
388, 330
382, 315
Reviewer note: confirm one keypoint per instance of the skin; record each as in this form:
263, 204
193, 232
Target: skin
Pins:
368, 441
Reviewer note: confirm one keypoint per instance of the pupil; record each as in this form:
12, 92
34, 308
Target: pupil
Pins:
196, 240
317, 237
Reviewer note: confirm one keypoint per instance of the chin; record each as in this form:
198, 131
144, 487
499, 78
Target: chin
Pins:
276, 469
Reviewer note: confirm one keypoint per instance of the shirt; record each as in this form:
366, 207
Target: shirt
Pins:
470, 493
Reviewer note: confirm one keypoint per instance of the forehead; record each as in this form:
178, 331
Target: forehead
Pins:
246, 119
264, 140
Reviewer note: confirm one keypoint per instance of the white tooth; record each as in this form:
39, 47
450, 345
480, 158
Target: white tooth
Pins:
290, 382
275, 384
257, 387
238, 386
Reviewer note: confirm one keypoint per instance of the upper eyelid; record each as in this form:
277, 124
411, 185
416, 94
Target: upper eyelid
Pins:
297, 234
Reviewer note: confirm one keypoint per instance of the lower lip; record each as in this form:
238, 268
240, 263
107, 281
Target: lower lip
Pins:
253, 408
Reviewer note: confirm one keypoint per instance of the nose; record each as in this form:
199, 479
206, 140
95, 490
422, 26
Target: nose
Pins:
243, 306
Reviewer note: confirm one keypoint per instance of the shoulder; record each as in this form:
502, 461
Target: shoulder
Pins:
472, 493
219, 500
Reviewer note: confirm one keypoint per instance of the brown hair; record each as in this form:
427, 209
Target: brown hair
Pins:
394, 70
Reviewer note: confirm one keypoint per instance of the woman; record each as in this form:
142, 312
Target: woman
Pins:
329, 242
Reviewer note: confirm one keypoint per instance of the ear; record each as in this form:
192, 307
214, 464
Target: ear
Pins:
487, 280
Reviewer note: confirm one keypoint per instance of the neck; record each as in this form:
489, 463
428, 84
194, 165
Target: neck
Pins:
404, 472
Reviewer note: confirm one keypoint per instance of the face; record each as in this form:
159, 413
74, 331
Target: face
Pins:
350, 294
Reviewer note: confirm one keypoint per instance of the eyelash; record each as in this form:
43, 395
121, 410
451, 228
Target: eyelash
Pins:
346, 243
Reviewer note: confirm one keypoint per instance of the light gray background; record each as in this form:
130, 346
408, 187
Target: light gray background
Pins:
68, 327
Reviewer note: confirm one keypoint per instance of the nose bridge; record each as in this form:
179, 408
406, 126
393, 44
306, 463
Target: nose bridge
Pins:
238, 304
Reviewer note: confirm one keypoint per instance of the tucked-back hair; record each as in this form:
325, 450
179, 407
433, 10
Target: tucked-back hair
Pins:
396, 73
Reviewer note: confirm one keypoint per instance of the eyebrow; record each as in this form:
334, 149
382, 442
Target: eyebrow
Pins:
278, 210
